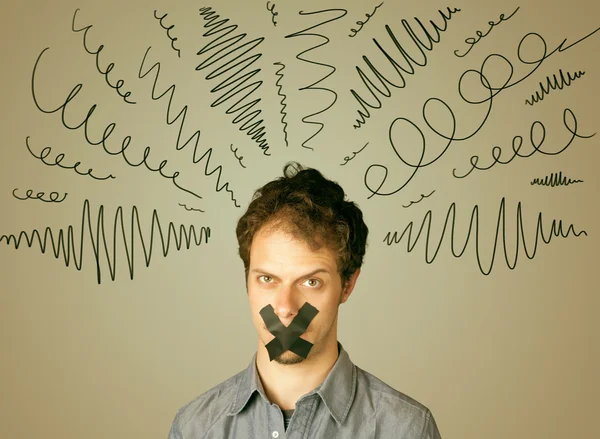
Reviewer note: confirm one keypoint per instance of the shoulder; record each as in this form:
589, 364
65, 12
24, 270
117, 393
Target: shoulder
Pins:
394, 411
196, 417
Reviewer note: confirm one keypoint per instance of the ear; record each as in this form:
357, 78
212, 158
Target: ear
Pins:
349, 286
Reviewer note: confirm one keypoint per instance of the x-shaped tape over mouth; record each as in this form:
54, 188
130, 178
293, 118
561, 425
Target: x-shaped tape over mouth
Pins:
288, 338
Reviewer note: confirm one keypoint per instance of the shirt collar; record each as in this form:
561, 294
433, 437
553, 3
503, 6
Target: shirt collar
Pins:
337, 390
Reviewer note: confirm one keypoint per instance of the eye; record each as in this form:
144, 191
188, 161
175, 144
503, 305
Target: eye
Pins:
312, 283
265, 279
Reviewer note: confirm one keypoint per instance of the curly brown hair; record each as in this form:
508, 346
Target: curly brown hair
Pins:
311, 208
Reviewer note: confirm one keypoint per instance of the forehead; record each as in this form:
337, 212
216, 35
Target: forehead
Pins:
276, 249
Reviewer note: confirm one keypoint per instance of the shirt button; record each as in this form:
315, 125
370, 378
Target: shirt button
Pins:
275, 434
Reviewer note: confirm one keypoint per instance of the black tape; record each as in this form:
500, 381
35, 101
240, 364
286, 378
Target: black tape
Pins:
288, 338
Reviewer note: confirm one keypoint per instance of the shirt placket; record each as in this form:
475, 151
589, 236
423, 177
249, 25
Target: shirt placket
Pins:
275, 428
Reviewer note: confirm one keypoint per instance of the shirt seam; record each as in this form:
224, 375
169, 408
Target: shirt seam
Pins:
426, 424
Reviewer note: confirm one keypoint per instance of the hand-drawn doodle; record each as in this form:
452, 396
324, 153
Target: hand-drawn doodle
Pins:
44, 153
183, 114
168, 29
375, 183
374, 90
338, 13
354, 154
64, 242
362, 23
472, 41
421, 199
553, 84
554, 180
283, 98
239, 158
53, 196
106, 134
109, 67
190, 209
517, 143
271, 9
235, 82
555, 230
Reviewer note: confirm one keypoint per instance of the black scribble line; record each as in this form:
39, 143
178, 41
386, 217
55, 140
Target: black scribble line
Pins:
239, 158
236, 73
283, 98
44, 153
554, 180
53, 196
339, 13
65, 243
273, 13
408, 67
190, 209
517, 143
362, 23
194, 137
553, 84
168, 29
117, 86
347, 159
556, 229
421, 199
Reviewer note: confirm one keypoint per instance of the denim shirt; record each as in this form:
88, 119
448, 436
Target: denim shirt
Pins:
350, 403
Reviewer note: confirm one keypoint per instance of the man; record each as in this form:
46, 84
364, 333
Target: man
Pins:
302, 245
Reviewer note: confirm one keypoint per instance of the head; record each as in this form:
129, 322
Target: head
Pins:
301, 241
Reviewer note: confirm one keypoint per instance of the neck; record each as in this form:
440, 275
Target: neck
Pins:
285, 384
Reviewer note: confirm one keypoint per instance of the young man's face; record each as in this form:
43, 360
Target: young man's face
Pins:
285, 273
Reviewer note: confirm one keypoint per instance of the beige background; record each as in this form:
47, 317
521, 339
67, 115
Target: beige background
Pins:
514, 354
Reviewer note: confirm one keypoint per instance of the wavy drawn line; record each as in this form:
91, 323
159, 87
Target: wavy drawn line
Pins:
409, 67
283, 98
183, 114
305, 33
58, 160
556, 229
554, 180
553, 84
421, 199
190, 209
64, 242
362, 23
236, 82
271, 9
354, 154
239, 158
536, 138
168, 29
117, 86
39, 196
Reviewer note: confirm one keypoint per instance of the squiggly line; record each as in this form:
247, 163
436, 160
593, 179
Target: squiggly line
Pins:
555, 230
373, 90
58, 160
235, 83
283, 98
421, 199
271, 9
40, 196
64, 242
190, 209
553, 85
239, 158
554, 180
168, 29
362, 23
305, 33
194, 137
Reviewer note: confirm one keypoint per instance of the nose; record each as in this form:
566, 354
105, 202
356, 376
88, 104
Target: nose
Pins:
285, 304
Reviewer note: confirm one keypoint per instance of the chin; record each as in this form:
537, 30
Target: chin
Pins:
288, 358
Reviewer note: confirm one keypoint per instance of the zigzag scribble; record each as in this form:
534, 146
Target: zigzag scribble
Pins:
64, 243
283, 98
303, 33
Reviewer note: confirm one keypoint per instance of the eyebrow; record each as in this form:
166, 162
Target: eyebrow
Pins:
309, 274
